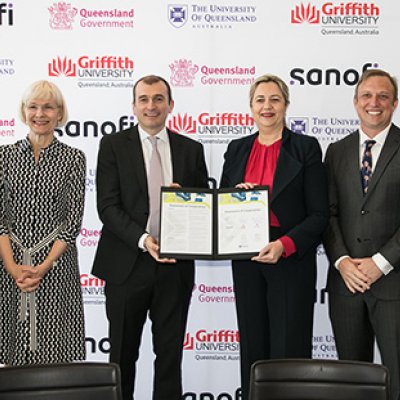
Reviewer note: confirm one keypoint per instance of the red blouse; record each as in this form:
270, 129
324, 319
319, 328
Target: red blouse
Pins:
260, 169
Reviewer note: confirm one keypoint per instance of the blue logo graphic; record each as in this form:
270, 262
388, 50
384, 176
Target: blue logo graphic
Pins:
299, 125
177, 15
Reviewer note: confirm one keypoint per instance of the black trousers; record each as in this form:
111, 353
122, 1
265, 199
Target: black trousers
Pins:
357, 320
275, 313
162, 292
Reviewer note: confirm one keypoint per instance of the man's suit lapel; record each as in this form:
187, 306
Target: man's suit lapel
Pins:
177, 158
352, 164
134, 156
389, 149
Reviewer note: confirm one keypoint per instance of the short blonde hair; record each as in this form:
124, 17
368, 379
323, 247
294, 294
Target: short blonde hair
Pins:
270, 78
44, 90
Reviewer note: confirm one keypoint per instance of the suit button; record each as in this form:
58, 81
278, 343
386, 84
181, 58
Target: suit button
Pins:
363, 212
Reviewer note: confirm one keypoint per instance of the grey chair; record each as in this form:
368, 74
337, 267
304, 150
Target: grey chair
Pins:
299, 379
74, 381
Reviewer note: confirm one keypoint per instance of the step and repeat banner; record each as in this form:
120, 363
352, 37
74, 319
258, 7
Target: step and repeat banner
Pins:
210, 52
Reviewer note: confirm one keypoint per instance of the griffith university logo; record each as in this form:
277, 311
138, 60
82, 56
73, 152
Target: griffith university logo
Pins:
62, 66
177, 15
222, 344
305, 13
345, 18
98, 68
62, 15
183, 125
183, 72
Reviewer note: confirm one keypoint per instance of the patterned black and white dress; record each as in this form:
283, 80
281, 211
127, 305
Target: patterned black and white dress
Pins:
42, 202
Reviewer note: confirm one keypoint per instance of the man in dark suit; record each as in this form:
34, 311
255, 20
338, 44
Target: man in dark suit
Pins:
138, 281
363, 237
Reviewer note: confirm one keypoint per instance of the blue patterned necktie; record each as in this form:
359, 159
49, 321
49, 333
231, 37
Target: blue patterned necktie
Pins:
366, 165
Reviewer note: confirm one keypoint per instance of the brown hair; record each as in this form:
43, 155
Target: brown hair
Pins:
150, 80
377, 72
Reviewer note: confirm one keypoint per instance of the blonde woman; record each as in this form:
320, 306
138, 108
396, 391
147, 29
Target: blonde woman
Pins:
42, 199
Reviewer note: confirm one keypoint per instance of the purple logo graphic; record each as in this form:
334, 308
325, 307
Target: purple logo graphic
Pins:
177, 15
299, 125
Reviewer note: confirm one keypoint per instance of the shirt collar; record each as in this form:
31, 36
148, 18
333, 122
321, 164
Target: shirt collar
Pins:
26, 145
162, 135
379, 138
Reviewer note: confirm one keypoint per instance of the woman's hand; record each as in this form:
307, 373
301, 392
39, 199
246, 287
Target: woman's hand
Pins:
271, 253
27, 278
246, 185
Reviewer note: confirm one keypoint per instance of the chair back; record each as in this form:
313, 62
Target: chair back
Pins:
73, 381
299, 379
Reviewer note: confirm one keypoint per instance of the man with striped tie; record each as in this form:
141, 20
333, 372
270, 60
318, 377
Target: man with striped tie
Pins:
363, 237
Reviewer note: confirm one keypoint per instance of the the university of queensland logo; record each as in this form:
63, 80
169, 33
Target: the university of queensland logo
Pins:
177, 15
305, 13
62, 66
183, 72
298, 125
183, 124
62, 15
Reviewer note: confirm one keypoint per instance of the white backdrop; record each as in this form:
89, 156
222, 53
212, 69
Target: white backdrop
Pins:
210, 51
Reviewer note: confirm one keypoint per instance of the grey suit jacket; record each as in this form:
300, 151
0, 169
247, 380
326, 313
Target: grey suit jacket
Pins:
361, 226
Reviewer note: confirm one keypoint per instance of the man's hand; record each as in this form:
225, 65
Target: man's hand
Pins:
151, 245
271, 253
368, 267
354, 278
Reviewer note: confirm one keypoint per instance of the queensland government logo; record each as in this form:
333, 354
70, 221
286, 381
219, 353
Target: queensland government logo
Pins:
7, 127
63, 16
345, 18
99, 71
183, 74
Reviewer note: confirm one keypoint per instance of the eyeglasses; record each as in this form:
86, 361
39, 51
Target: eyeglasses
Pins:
46, 108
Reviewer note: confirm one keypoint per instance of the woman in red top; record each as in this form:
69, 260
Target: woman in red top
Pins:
275, 290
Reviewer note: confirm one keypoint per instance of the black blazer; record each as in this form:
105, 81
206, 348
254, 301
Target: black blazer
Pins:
299, 196
361, 226
122, 195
